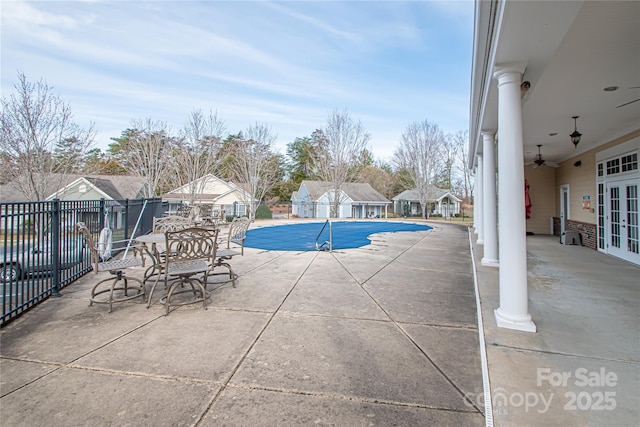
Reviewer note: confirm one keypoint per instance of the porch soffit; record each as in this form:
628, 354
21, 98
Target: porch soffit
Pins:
573, 50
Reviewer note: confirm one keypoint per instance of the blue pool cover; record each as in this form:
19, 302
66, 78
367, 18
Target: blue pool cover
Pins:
302, 237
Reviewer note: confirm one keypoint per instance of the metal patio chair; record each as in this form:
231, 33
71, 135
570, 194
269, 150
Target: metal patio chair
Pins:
170, 223
232, 245
118, 286
189, 253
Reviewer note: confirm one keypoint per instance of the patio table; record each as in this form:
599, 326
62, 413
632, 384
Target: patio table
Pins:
149, 243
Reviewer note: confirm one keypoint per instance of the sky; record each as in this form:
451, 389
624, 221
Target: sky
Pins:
283, 64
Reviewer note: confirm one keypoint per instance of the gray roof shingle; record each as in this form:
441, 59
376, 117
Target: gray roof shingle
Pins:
357, 191
116, 186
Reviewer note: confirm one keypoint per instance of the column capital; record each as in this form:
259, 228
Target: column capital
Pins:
515, 70
488, 133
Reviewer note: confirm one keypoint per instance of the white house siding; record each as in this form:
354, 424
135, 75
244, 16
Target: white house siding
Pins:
313, 200
304, 205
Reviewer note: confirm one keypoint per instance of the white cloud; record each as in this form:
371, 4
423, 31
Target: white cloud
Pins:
284, 63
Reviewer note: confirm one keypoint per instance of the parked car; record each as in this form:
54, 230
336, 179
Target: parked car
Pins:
38, 258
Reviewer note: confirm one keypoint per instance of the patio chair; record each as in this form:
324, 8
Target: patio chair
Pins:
170, 223
214, 219
118, 286
232, 245
160, 226
185, 211
189, 253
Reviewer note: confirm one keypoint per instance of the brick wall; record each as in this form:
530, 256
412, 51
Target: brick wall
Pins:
586, 230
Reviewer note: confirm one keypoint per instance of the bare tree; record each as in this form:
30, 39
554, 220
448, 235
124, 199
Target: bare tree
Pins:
39, 138
419, 157
380, 177
448, 156
195, 152
338, 148
143, 150
253, 163
461, 141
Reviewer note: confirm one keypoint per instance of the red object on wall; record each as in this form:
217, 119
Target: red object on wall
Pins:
527, 200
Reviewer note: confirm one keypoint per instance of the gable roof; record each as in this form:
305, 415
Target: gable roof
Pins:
184, 189
436, 194
113, 186
183, 192
116, 187
356, 191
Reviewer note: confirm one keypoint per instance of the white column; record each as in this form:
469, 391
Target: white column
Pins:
513, 312
475, 203
480, 201
490, 228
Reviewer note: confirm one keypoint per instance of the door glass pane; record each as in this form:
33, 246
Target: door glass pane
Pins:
601, 216
632, 218
615, 216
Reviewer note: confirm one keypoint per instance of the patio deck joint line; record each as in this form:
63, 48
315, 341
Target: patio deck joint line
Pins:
427, 234
399, 327
441, 325
486, 384
349, 398
560, 353
244, 356
264, 263
57, 365
115, 372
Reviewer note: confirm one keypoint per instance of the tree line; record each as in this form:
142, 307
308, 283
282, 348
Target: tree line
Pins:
39, 137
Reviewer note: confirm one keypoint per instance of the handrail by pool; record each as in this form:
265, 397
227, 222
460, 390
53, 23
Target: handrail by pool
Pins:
322, 246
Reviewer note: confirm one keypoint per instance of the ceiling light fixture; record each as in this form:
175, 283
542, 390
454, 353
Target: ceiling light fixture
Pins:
575, 136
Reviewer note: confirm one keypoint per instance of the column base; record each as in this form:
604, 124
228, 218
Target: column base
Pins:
480, 242
490, 262
524, 323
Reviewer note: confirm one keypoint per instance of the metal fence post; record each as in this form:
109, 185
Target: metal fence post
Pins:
55, 245
126, 219
102, 213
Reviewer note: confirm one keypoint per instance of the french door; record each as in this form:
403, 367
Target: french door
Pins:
623, 240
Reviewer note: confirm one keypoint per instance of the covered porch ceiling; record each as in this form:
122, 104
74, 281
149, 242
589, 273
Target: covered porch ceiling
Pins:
573, 50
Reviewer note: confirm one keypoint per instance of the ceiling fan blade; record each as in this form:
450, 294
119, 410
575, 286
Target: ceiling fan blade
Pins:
631, 102
552, 164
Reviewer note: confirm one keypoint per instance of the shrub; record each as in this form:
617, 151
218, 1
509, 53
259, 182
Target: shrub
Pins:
263, 212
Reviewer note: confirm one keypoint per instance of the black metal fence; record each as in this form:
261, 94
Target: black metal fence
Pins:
41, 252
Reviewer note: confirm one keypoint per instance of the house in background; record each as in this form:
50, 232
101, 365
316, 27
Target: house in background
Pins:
96, 187
79, 187
212, 196
563, 77
113, 189
357, 200
441, 202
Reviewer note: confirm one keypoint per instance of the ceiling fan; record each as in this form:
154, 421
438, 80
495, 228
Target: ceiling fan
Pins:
539, 161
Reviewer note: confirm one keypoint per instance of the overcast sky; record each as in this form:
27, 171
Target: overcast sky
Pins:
286, 64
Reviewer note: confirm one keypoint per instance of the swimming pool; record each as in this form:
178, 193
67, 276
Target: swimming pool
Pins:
302, 237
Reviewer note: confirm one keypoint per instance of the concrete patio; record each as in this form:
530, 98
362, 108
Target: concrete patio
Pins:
382, 335
582, 366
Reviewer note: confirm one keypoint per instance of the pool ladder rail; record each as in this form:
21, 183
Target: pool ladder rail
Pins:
326, 245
